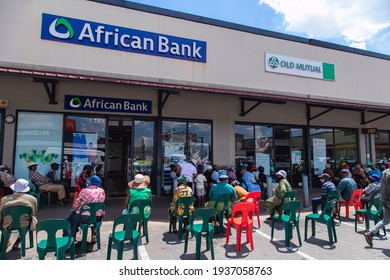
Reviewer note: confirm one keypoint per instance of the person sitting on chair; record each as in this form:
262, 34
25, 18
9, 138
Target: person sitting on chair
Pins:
327, 186
44, 183
93, 193
7, 178
19, 198
182, 190
283, 187
346, 186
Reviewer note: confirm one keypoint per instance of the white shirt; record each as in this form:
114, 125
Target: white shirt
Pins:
188, 170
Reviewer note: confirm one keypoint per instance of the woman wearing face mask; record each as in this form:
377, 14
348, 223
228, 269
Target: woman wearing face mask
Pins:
283, 187
327, 186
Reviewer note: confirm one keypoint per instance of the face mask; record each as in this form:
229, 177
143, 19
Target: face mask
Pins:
322, 180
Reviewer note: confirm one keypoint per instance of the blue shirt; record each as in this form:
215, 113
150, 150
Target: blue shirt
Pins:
250, 181
346, 187
220, 189
327, 187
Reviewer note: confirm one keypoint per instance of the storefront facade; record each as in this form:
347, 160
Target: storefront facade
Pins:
132, 89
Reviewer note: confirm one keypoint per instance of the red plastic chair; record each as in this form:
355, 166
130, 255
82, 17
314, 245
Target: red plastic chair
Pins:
241, 218
78, 190
355, 201
256, 201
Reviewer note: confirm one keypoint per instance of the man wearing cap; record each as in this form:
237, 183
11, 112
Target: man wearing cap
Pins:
346, 186
19, 198
92, 193
44, 183
188, 169
373, 169
283, 187
222, 187
327, 186
372, 189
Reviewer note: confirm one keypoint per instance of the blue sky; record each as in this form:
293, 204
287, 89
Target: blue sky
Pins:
363, 24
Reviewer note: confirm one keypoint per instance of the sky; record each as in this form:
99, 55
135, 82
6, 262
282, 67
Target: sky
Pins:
362, 24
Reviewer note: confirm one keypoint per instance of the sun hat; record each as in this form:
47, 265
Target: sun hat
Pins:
344, 171
369, 163
21, 185
94, 180
32, 164
139, 178
282, 173
222, 174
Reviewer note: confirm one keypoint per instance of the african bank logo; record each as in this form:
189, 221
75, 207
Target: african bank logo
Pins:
61, 28
75, 102
273, 62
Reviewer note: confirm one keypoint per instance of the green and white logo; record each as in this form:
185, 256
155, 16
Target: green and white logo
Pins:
75, 102
53, 29
273, 62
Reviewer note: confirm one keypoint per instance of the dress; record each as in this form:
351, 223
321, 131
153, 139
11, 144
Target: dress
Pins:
283, 187
181, 191
200, 181
140, 193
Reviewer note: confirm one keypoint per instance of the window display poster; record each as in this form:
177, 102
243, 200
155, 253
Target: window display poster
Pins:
174, 152
296, 157
264, 160
319, 155
263, 136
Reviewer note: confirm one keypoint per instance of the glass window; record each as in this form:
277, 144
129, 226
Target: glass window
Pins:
143, 146
346, 146
382, 147
38, 140
84, 144
245, 143
183, 140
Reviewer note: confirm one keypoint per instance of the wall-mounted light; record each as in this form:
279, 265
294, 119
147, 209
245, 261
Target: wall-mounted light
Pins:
9, 119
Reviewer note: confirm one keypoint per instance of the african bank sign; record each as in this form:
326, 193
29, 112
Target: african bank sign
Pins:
299, 67
100, 35
117, 105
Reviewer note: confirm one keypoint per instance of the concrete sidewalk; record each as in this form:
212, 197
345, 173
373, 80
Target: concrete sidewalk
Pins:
351, 245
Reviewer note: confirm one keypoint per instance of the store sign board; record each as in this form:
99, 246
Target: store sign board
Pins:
117, 105
299, 67
94, 34
369, 130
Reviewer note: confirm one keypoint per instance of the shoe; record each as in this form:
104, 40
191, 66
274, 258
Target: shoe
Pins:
368, 237
93, 239
60, 203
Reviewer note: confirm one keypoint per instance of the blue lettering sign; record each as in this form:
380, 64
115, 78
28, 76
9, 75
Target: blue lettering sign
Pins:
88, 33
91, 103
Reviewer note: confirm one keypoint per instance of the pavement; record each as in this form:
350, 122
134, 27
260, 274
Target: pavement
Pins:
163, 245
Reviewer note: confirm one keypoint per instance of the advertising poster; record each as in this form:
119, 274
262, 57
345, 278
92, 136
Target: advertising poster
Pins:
264, 161
319, 155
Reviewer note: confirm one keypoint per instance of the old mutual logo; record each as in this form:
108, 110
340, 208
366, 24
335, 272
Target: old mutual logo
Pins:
273, 62
61, 28
75, 102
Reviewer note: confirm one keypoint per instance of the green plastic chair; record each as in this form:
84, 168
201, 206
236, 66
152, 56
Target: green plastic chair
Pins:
332, 195
92, 208
185, 201
223, 205
142, 206
55, 243
198, 229
374, 211
288, 196
291, 212
128, 232
35, 191
326, 217
16, 212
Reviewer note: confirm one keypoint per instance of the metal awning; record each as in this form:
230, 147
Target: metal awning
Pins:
244, 95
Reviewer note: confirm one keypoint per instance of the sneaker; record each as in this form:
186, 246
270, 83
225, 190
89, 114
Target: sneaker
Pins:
368, 237
93, 239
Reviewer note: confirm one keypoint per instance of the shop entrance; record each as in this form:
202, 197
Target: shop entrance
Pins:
119, 155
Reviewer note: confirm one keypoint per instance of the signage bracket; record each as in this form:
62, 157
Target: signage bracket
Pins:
257, 101
363, 118
51, 93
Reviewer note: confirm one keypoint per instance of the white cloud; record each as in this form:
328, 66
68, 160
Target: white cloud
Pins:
356, 21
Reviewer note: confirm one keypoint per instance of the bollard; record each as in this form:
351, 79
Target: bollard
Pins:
269, 186
305, 187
